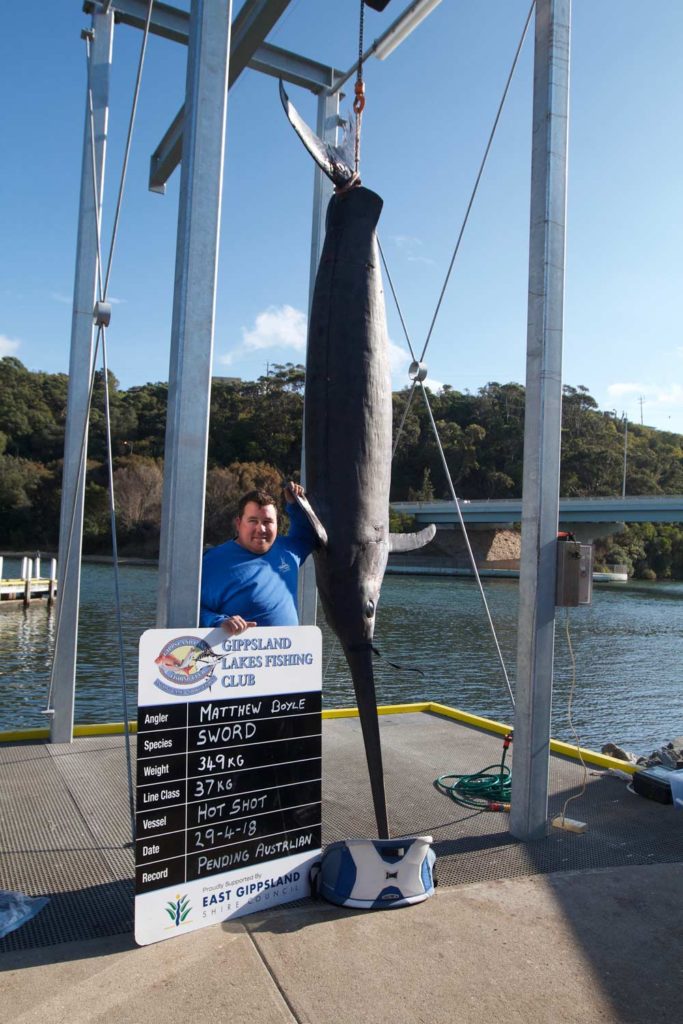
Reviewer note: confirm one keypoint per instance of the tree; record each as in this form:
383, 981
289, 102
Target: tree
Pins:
138, 487
225, 487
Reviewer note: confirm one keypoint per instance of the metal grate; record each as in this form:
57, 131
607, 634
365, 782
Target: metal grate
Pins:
65, 830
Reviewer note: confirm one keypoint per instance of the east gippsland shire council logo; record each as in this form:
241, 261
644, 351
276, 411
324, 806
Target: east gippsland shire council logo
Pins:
186, 664
178, 910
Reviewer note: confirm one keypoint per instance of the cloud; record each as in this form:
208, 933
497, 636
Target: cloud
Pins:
8, 346
285, 327
618, 390
653, 395
275, 327
406, 241
409, 246
420, 259
399, 359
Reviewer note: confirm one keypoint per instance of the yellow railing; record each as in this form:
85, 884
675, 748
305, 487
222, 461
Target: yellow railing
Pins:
464, 717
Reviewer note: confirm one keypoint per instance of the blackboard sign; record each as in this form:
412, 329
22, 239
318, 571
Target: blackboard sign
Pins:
228, 774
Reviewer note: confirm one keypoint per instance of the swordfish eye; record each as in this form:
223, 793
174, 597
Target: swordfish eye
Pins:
370, 608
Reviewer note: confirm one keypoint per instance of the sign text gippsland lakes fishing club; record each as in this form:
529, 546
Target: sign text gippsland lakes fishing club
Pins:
228, 774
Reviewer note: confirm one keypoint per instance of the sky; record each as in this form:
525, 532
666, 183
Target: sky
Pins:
430, 108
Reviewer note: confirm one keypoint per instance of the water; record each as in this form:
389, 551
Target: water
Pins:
628, 646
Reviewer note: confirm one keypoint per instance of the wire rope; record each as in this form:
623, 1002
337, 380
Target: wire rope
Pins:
467, 542
570, 718
478, 178
403, 420
129, 139
447, 471
395, 297
448, 477
428, 339
97, 204
117, 585
110, 465
102, 289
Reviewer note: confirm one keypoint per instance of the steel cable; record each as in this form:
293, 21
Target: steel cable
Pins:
431, 330
450, 483
467, 541
478, 178
102, 289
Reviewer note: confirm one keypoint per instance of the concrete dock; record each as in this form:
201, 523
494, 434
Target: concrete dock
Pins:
569, 928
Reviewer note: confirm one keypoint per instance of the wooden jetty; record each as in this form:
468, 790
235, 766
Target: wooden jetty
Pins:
21, 591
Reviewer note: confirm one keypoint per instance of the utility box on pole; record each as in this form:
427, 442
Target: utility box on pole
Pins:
574, 574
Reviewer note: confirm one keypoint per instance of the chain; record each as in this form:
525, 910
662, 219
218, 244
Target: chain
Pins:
359, 89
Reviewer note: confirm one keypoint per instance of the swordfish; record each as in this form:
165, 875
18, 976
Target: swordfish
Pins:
347, 433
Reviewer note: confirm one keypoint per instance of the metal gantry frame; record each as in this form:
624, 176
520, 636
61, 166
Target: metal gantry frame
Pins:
80, 366
218, 52
542, 421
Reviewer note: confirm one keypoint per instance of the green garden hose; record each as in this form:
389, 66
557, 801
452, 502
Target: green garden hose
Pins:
486, 790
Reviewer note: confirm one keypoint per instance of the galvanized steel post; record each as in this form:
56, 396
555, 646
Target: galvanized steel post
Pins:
80, 367
194, 303
540, 504
327, 125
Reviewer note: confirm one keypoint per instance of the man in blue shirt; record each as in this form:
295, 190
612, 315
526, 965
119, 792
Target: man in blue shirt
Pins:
252, 580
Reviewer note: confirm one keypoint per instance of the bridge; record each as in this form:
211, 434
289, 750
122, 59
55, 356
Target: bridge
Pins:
658, 508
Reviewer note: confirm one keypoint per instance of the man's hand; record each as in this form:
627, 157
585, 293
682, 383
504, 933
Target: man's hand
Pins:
292, 491
235, 624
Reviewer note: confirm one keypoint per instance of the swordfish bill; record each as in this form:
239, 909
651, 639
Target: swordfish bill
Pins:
347, 435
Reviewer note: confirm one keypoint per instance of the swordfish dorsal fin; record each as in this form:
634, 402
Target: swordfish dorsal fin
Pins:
330, 159
411, 541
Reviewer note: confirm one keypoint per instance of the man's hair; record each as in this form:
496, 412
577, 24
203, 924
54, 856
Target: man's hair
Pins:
260, 498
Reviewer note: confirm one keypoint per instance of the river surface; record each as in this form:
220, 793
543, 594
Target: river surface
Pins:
628, 647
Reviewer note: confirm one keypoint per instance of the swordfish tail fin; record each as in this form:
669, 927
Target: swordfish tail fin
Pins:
332, 160
360, 663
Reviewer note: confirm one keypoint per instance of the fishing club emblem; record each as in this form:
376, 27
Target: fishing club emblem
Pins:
186, 665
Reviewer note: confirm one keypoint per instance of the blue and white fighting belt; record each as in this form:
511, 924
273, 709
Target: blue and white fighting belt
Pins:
375, 874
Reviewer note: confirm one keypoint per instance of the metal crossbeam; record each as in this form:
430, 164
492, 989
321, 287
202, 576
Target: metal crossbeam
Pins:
167, 22
290, 67
270, 60
249, 28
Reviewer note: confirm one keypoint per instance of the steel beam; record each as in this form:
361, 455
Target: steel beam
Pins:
327, 126
80, 367
543, 418
291, 67
194, 303
167, 22
250, 28
270, 60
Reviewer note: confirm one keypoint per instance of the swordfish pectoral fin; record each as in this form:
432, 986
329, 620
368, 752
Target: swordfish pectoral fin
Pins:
319, 529
329, 158
411, 541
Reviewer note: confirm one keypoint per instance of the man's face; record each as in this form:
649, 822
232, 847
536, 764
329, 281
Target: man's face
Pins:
257, 528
